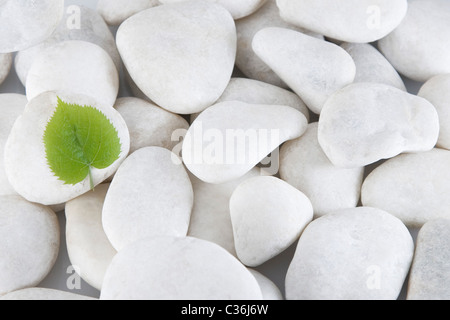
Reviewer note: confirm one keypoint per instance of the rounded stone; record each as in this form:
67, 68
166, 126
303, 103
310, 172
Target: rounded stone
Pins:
43, 294
304, 165
171, 268
25, 157
269, 290
74, 66
5, 65
24, 23
29, 234
418, 192
358, 21
150, 195
87, 244
183, 80
268, 215
420, 47
367, 122
117, 11
353, 254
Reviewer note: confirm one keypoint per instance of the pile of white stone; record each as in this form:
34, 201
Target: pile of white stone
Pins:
315, 142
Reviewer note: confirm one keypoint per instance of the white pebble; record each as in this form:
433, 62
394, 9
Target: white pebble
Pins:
269, 290
6, 60
43, 294
117, 11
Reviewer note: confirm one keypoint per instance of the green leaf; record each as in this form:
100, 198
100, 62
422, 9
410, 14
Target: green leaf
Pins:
78, 138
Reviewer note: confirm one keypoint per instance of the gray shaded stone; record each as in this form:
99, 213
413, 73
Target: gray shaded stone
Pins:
5, 65
43, 294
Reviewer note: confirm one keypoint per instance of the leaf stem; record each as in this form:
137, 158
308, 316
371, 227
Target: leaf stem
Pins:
91, 180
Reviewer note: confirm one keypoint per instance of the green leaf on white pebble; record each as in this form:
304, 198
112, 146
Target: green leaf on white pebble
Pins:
77, 139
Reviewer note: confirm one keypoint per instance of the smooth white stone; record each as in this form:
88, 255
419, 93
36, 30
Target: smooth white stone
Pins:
268, 215
347, 20
230, 138
11, 107
304, 165
246, 59
90, 28
150, 125
25, 158
411, 186
429, 278
353, 254
269, 290
43, 294
184, 79
29, 234
150, 195
87, 245
237, 8
5, 65
312, 68
117, 11
210, 218
420, 47
367, 122
25, 23
372, 66
171, 268
74, 66
437, 91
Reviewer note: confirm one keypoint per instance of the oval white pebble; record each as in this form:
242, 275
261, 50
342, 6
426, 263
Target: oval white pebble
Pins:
347, 20
150, 125
312, 68
437, 91
420, 47
230, 138
268, 215
29, 234
87, 245
418, 192
185, 65
150, 195
43, 294
353, 254
170, 268
5, 65
90, 28
74, 66
25, 157
304, 165
367, 122
269, 290
117, 11
24, 23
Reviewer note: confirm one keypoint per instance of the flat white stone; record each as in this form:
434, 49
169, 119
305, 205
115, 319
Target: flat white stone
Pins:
172, 268
5, 65
367, 122
25, 158
210, 218
29, 234
74, 66
312, 68
150, 125
43, 294
353, 254
11, 107
150, 195
411, 187
117, 11
237, 8
269, 290
347, 20
437, 91
164, 58
304, 165
429, 278
79, 23
230, 138
372, 66
87, 245
268, 215
246, 59
24, 23
420, 47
